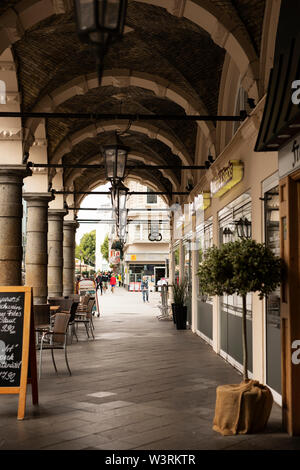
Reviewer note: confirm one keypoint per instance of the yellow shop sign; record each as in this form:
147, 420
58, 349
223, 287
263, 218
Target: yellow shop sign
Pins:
227, 178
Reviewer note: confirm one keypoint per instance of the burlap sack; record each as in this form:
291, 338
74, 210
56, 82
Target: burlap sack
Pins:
242, 408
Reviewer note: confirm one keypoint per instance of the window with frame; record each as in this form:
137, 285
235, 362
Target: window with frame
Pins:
151, 198
205, 241
240, 207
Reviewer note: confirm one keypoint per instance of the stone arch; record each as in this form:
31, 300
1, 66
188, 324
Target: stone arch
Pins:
229, 85
99, 179
120, 78
268, 40
15, 22
10, 128
137, 156
140, 127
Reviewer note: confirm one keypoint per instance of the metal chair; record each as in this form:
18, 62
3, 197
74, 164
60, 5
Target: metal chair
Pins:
71, 325
57, 339
86, 317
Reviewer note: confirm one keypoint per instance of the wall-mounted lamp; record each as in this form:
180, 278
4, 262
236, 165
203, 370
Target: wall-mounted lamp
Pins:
243, 227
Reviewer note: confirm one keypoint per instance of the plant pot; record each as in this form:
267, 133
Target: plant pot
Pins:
173, 313
180, 316
242, 408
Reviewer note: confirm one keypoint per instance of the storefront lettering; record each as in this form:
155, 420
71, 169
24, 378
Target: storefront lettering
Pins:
296, 354
296, 94
227, 178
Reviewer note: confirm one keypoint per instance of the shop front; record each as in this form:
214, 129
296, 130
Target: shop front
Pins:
272, 303
231, 347
238, 182
204, 321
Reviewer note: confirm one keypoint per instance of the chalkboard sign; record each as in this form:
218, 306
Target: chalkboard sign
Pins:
17, 346
11, 337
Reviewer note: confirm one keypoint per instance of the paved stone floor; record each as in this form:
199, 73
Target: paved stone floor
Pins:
141, 384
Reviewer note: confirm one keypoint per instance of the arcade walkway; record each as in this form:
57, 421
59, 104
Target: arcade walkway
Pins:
140, 385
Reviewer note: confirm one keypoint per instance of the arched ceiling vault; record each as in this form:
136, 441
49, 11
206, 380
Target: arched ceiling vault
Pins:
119, 81
92, 181
169, 62
134, 159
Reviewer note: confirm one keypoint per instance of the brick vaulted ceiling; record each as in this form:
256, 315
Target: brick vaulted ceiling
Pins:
157, 43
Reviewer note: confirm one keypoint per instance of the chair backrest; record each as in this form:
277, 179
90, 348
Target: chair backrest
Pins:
90, 307
73, 311
41, 314
65, 304
84, 299
60, 327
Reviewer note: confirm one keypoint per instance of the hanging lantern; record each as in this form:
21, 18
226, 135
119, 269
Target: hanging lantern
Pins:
98, 20
119, 194
99, 23
115, 158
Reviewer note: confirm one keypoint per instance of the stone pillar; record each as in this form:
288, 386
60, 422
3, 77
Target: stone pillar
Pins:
11, 212
55, 252
36, 258
69, 228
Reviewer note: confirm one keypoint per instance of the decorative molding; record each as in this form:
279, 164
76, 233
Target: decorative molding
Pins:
11, 134
40, 143
62, 6
177, 9
40, 171
7, 66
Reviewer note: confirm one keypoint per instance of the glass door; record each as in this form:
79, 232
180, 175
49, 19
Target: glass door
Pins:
188, 275
204, 303
273, 336
231, 305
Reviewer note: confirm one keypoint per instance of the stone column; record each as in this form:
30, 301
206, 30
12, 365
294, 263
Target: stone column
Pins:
69, 228
55, 252
36, 258
11, 212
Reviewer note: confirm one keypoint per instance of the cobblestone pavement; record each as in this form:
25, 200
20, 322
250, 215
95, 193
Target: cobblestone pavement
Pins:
141, 384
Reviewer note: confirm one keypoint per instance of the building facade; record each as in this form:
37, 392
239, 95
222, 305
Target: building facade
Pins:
148, 216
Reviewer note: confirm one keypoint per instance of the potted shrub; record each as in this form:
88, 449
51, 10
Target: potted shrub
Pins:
241, 267
178, 307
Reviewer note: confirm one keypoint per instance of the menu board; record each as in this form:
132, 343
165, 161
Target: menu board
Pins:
11, 337
17, 344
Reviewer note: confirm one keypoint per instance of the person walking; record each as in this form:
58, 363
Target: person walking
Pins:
145, 289
99, 282
104, 281
113, 282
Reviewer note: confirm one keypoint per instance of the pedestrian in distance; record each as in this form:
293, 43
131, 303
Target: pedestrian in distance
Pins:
104, 281
99, 282
113, 282
145, 289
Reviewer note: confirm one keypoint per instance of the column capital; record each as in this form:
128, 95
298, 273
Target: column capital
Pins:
71, 224
54, 214
38, 198
19, 171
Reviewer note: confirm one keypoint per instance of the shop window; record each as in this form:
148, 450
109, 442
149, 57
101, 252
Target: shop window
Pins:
231, 307
176, 263
151, 198
205, 241
273, 333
